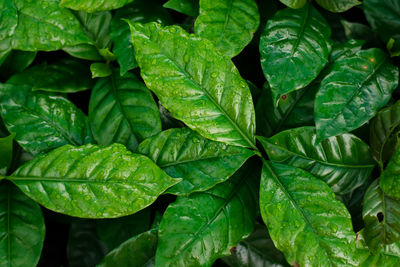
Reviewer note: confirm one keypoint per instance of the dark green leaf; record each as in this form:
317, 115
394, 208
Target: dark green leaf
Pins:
96, 182
359, 85
138, 251
84, 51
195, 83
294, 3
5, 50
198, 229
229, 24
294, 48
42, 122
16, 62
344, 162
122, 110
305, 220
390, 178
338, 5
358, 31
6, 153
381, 215
202, 163
93, 6
188, 7
22, 228
100, 70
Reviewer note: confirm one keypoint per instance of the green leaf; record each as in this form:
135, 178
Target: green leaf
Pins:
22, 228
294, 110
202, 163
294, 3
198, 229
381, 215
139, 11
358, 31
84, 51
44, 25
6, 153
42, 122
360, 85
114, 232
84, 248
16, 62
386, 256
122, 110
305, 220
294, 48
94, 6
64, 76
138, 251
5, 49
256, 250
187, 7
338, 5
100, 70
383, 133
195, 83
390, 178
229, 24
344, 162
96, 182
8, 18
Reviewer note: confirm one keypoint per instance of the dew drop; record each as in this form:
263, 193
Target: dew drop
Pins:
214, 75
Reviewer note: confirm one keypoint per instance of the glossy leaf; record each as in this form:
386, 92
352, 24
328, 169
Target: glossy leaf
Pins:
187, 7
122, 110
256, 250
137, 251
381, 215
195, 83
383, 133
84, 248
294, 3
58, 26
338, 5
198, 229
294, 48
84, 51
96, 182
202, 163
64, 76
390, 178
21, 228
360, 85
42, 122
100, 70
139, 11
344, 162
16, 62
94, 5
358, 31
6, 153
305, 220
229, 24
114, 232
8, 18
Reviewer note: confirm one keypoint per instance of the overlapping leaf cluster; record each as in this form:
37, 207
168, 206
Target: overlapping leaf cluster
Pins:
140, 124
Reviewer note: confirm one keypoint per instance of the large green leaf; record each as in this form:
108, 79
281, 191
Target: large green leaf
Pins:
122, 110
6, 153
305, 220
229, 24
359, 85
198, 229
338, 5
44, 25
390, 178
383, 133
8, 18
139, 11
16, 62
94, 5
138, 251
84, 51
188, 7
257, 250
381, 215
294, 48
195, 83
64, 76
294, 3
95, 182
202, 163
21, 228
386, 256
344, 162
41, 122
